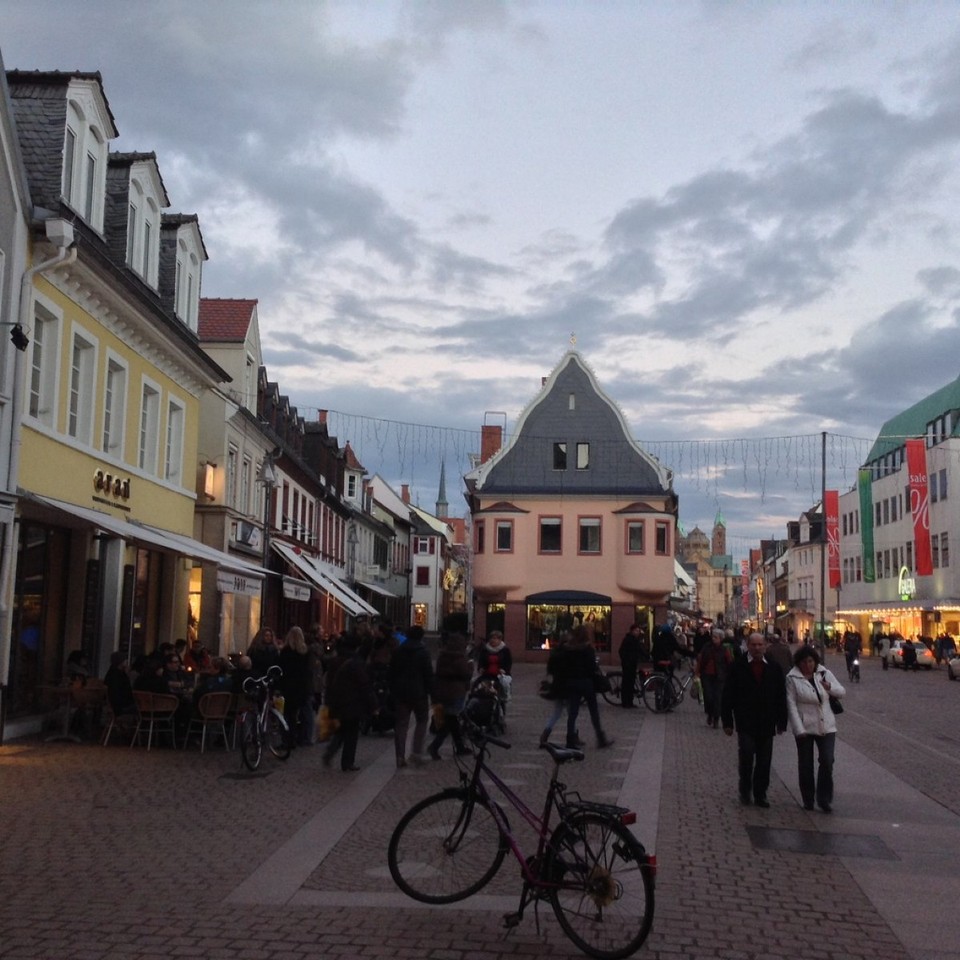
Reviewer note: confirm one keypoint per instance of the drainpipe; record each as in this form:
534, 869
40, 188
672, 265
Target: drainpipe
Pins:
60, 233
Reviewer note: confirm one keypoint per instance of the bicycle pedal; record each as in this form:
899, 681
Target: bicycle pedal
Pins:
511, 920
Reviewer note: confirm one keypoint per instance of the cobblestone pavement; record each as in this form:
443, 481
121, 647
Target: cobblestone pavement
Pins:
110, 853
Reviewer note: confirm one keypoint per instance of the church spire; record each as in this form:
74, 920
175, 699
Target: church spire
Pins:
442, 505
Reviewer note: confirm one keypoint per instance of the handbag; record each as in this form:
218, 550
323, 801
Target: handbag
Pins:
548, 690
835, 705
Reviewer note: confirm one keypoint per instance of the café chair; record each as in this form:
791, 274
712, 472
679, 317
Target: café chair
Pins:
157, 711
212, 710
126, 720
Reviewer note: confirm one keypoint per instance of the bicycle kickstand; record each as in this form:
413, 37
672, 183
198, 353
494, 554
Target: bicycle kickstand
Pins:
511, 920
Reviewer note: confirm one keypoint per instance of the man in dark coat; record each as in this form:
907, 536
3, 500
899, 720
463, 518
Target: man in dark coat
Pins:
411, 677
629, 659
755, 699
350, 698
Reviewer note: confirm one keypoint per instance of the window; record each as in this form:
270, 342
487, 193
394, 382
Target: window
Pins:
844, 524
943, 485
944, 550
149, 427
933, 488
230, 492
504, 536
877, 509
423, 545
886, 511
43, 366
663, 538
550, 534
480, 536
858, 569
908, 560
246, 473
571, 401
559, 456
131, 233
80, 400
583, 456
635, 536
935, 551
352, 486
69, 159
589, 538
90, 184
423, 576
173, 448
893, 509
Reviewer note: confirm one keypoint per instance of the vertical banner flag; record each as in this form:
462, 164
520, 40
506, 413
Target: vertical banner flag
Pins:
745, 586
919, 505
832, 516
865, 488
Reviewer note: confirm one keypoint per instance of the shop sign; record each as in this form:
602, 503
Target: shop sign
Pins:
230, 582
906, 585
294, 590
110, 485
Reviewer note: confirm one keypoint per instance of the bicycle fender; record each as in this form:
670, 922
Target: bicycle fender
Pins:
280, 717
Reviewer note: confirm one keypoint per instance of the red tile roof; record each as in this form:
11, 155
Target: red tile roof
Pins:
350, 458
225, 320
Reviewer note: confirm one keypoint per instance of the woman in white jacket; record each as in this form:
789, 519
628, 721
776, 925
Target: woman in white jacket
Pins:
809, 687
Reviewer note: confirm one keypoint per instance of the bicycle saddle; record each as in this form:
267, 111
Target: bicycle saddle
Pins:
562, 754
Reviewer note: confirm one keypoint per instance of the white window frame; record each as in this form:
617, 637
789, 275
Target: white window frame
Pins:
115, 378
44, 374
80, 390
148, 442
246, 474
230, 485
173, 445
84, 175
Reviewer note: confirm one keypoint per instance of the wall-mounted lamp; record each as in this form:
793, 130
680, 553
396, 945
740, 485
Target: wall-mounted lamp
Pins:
209, 480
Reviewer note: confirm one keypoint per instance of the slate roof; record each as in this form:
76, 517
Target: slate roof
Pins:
617, 467
226, 320
913, 421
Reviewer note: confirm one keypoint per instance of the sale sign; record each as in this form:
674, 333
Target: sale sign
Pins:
919, 505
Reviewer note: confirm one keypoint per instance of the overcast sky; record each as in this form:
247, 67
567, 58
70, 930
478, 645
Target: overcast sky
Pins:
747, 213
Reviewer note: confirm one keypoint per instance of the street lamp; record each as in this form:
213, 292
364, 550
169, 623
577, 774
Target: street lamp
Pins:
268, 477
352, 541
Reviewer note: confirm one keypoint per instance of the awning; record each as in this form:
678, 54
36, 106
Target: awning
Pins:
353, 604
376, 588
141, 533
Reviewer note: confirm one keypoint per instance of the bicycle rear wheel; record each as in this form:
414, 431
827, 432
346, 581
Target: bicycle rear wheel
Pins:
657, 693
251, 743
445, 848
603, 898
278, 735
612, 696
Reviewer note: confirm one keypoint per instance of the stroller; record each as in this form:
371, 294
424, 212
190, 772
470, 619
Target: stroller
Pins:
486, 704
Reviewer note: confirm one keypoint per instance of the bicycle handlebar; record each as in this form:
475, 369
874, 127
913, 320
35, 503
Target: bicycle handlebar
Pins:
273, 675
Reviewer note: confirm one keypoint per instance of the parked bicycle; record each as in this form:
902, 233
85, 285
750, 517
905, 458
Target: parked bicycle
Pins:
261, 721
612, 696
595, 874
662, 690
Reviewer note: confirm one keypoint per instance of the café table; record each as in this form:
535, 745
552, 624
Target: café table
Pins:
68, 697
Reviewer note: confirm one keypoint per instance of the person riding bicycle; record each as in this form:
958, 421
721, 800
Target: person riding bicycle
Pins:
852, 646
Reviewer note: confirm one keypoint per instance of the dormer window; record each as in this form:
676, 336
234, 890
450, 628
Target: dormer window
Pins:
187, 293
146, 196
84, 175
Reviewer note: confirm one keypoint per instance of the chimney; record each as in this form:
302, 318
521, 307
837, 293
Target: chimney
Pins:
322, 417
491, 437
405, 492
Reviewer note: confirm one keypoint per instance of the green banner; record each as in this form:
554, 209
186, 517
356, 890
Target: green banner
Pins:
864, 484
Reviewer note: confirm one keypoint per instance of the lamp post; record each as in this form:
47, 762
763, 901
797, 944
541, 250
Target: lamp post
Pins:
268, 477
353, 540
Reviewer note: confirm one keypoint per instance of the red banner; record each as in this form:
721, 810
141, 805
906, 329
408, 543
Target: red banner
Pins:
831, 511
919, 506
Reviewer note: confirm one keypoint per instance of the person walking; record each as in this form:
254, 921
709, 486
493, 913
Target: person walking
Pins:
411, 677
350, 698
297, 687
559, 670
754, 699
882, 646
629, 654
582, 665
780, 653
812, 720
450, 683
713, 665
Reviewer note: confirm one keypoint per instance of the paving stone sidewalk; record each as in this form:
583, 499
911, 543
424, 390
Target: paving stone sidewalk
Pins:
109, 853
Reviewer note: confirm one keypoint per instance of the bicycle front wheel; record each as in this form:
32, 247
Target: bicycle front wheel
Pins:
657, 693
612, 696
446, 848
603, 886
278, 735
251, 743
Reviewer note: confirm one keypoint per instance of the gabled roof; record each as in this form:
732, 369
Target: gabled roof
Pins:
913, 421
502, 506
572, 409
120, 159
350, 460
225, 321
